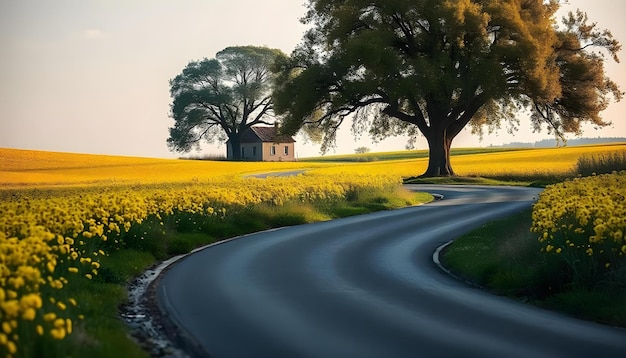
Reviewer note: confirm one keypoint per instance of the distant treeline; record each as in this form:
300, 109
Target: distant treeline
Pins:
550, 143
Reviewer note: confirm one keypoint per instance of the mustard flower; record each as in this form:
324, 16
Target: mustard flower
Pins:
58, 333
6, 327
29, 314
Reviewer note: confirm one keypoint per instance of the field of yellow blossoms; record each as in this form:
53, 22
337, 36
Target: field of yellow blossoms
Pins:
61, 212
59, 216
583, 222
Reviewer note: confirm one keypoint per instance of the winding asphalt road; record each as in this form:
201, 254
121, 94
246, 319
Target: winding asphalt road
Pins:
366, 286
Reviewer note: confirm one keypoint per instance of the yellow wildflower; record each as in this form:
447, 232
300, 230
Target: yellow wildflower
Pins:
6, 327
11, 347
11, 308
29, 314
58, 333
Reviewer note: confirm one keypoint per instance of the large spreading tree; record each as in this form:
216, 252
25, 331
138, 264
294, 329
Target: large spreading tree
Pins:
221, 98
435, 67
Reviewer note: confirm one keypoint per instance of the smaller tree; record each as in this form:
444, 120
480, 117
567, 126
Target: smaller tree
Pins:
362, 150
221, 98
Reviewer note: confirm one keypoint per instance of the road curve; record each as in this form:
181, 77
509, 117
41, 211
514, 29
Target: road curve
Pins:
366, 286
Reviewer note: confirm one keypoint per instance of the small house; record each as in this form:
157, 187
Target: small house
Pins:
264, 144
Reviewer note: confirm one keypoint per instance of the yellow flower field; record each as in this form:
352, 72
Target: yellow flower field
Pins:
37, 169
525, 163
60, 212
528, 163
583, 221
50, 238
30, 169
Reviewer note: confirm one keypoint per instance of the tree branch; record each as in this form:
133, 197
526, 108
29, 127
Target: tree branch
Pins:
457, 125
547, 116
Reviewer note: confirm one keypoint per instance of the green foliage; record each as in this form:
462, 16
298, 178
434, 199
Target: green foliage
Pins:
596, 305
584, 89
601, 164
149, 237
288, 214
404, 67
121, 266
215, 99
103, 334
505, 248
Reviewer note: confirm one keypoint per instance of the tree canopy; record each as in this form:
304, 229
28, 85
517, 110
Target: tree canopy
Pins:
218, 99
433, 67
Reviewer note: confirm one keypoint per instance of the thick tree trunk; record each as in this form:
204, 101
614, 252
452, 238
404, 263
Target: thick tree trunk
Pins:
235, 147
439, 143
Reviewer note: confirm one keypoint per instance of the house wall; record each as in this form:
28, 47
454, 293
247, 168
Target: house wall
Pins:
249, 153
279, 154
264, 152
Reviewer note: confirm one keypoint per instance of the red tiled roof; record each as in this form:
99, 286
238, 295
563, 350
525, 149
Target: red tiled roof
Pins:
264, 134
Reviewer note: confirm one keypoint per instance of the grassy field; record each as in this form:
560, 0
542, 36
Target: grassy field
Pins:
568, 253
75, 228
511, 264
400, 155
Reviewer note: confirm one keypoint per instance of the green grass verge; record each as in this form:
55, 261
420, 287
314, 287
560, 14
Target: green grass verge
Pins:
504, 257
103, 334
531, 180
404, 154
467, 181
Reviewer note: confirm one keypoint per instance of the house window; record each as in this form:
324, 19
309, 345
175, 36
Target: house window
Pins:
286, 150
273, 150
254, 151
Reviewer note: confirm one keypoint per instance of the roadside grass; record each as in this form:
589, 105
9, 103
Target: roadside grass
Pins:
590, 164
102, 334
504, 258
404, 154
468, 180
537, 180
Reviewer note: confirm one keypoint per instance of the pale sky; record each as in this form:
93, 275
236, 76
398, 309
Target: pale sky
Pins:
91, 76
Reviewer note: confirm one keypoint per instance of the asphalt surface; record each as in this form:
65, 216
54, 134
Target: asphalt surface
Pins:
366, 286
277, 174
